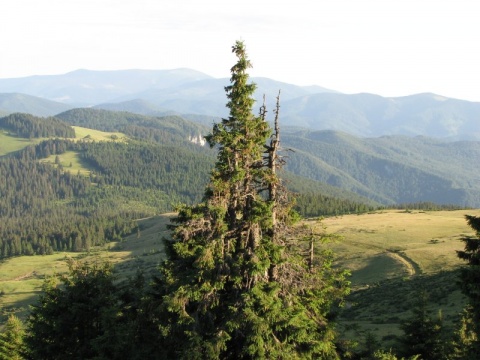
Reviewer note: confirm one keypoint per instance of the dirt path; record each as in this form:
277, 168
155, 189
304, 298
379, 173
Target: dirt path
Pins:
412, 267
24, 276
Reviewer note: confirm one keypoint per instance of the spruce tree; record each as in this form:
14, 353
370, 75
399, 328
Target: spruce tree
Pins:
470, 285
422, 333
238, 284
11, 340
68, 319
464, 338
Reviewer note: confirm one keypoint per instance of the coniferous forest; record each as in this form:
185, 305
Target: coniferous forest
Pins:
242, 278
36, 197
29, 126
143, 177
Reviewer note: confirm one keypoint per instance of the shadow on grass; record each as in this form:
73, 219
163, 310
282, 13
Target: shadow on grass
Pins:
142, 251
385, 304
379, 267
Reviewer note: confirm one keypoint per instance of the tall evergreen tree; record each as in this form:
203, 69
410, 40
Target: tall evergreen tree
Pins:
238, 284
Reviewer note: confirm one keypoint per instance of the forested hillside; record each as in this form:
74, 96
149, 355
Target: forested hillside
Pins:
389, 169
393, 169
29, 126
162, 129
47, 208
50, 206
164, 163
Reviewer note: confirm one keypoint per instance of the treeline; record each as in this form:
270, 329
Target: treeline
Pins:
63, 230
29, 126
312, 205
427, 206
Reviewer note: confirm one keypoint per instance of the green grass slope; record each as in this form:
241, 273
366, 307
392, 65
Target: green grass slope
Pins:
21, 277
10, 144
392, 256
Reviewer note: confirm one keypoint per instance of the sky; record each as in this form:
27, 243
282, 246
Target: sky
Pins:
384, 47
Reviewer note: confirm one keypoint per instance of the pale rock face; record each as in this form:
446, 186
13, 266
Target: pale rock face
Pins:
197, 139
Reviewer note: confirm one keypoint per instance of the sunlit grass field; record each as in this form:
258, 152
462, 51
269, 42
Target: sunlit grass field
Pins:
392, 256
387, 244
97, 135
70, 161
9, 144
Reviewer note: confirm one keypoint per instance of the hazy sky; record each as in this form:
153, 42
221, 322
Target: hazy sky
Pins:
386, 47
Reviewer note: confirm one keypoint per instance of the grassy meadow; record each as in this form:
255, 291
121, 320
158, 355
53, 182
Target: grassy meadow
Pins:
21, 278
69, 160
97, 135
9, 143
398, 243
391, 255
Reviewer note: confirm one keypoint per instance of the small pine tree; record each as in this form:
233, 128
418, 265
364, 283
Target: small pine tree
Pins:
464, 338
237, 283
422, 334
384, 355
68, 318
11, 340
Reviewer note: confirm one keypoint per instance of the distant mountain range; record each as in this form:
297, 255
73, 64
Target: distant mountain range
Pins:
16, 102
200, 97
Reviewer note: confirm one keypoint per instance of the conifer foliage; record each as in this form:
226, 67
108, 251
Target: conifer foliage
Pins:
11, 340
238, 284
68, 319
470, 286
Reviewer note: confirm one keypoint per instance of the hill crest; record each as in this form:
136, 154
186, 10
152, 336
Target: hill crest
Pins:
186, 91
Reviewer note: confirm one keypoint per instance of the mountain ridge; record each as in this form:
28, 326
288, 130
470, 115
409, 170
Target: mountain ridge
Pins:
390, 169
17, 102
187, 91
